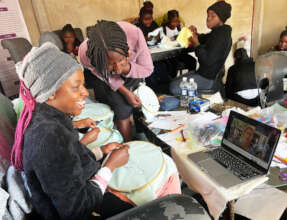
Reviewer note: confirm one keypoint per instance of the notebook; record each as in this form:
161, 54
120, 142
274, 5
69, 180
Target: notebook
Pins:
246, 152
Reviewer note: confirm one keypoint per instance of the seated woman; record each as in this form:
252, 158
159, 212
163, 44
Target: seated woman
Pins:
211, 49
148, 6
164, 19
171, 29
64, 178
146, 23
172, 26
241, 83
118, 58
282, 44
70, 41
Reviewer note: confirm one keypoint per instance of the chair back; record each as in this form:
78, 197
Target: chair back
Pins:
166, 207
17, 47
8, 122
51, 37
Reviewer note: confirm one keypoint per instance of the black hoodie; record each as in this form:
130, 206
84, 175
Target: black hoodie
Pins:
213, 50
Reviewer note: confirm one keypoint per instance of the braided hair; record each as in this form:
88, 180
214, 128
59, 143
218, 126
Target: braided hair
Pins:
103, 37
68, 28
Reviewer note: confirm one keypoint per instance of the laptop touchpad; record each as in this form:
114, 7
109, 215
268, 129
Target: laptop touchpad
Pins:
219, 173
212, 168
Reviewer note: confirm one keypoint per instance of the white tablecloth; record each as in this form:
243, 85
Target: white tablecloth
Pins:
215, 196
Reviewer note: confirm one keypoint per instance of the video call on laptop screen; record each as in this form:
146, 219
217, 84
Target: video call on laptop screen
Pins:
251, 138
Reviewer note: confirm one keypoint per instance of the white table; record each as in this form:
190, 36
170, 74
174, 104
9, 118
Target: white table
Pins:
215, 196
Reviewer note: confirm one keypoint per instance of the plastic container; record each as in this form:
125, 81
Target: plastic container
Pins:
192, 90
184, 92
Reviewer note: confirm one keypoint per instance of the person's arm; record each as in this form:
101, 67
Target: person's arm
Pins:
213, 49
202, 38
59, 170
141, 63
84, 123
132, 99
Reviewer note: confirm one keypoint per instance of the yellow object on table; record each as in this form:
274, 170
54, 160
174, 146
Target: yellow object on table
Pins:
183, 37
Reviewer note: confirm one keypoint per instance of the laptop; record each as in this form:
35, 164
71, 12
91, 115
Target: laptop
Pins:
246, 152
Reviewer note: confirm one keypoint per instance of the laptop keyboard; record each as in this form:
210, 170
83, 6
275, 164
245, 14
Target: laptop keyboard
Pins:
239, 168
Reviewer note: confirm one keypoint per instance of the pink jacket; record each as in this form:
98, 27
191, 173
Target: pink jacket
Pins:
140, 58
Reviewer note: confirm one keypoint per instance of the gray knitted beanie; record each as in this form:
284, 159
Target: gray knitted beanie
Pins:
45, 69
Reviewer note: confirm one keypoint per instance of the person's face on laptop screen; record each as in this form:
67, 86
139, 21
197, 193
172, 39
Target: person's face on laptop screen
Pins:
258, 141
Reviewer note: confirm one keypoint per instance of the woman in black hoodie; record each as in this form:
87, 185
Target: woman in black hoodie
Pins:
211, 49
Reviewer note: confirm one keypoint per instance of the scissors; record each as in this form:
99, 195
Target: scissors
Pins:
282, 176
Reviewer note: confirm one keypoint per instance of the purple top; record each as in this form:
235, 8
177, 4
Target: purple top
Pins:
140, 58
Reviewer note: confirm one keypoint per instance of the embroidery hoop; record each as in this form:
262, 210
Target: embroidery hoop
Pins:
149, 100
94, 115
99, 142
112, 186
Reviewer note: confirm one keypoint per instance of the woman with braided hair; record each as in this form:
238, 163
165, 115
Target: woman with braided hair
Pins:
118, 59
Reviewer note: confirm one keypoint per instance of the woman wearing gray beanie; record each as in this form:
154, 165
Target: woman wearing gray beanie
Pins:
211, 49
64, 178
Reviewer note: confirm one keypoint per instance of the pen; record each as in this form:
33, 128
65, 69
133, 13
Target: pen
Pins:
182, 135
281, 159
176, 128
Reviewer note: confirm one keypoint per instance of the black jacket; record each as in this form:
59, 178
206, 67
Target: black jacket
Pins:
241, 76
145, 29
213, 50
58, 167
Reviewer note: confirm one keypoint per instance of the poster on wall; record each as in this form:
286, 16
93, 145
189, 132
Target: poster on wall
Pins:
12, 24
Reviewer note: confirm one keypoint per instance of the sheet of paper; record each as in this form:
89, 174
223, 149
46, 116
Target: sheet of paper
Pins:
281, 151
173, 139
215, 99
166, 124
264, 203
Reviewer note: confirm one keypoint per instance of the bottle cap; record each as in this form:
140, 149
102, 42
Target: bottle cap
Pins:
191, 79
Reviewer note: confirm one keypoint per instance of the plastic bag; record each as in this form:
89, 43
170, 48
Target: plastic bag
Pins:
209, 133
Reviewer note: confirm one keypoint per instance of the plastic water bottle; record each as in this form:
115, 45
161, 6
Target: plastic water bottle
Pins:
192, 90
184, 92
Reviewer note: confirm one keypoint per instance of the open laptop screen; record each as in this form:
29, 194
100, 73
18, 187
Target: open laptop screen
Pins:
252, 139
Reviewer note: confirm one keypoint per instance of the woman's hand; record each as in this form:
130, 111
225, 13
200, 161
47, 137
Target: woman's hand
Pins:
108, 148
133, 99
149, 38
193, 29
85, 123
90, 136
118, 158
194, 40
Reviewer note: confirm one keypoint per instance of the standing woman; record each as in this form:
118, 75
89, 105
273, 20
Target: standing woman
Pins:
64, 178
118, 58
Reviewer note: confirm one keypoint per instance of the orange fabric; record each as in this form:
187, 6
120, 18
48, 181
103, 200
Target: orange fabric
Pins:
171, 186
